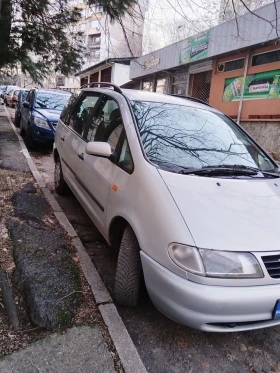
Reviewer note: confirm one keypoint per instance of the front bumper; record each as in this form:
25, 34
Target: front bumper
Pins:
209, 308
43, 135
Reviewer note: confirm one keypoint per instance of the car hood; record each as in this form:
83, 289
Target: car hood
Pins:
228, 214
51, 115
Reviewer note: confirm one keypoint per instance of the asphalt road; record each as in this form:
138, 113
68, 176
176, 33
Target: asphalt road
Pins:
165, 346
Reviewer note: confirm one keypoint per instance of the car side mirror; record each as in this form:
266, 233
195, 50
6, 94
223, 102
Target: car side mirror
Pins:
98, 148
26, 105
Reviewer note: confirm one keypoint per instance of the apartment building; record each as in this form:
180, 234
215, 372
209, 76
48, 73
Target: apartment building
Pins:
104, 39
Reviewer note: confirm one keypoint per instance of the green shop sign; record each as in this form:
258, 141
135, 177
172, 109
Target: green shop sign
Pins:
194, 48
257, 86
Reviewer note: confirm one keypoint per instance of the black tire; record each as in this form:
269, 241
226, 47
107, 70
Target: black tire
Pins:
17, 120
129, 274
28, 138
61, 187
21, 129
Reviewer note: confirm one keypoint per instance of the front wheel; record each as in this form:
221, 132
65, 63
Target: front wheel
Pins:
29, 142
129, 274
61, 187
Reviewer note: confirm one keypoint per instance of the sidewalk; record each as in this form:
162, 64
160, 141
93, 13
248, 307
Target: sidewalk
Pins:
78, 349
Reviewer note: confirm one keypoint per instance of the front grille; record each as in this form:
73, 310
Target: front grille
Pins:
272, 264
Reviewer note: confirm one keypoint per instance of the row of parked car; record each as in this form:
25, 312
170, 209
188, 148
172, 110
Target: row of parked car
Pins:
190, 201
9, 94
37, 111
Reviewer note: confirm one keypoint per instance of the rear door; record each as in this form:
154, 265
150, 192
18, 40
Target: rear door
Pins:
95, 173
26, 112
70, 134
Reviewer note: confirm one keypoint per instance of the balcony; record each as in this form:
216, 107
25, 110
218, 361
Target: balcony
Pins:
94, 44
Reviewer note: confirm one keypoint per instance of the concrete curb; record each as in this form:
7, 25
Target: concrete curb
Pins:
126, 349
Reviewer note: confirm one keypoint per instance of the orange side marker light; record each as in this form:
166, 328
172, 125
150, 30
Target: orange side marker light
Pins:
115, 188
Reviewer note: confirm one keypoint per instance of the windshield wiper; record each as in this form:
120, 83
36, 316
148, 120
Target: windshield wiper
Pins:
226, 169
233, 167
220, 171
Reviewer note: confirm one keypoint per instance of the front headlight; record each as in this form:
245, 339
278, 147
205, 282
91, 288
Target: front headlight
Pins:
41, 122
214, 263
230, 264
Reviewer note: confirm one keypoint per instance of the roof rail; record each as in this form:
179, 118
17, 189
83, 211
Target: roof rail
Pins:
187, 97
91, 85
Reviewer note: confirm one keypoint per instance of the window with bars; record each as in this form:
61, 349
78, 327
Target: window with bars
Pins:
200, 84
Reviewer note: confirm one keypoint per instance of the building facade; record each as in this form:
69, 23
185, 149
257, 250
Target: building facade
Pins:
237, 75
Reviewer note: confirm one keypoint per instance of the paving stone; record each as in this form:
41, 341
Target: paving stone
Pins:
79, 350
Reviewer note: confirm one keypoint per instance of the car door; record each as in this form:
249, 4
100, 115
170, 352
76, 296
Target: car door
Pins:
95, 173
26, 112
70, 134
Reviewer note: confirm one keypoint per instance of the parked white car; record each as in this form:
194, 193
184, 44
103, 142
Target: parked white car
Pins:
189, 198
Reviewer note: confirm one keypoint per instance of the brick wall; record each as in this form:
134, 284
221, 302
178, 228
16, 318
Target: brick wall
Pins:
267, 134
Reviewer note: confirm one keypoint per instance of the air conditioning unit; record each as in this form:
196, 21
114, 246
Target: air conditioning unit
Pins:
221, 67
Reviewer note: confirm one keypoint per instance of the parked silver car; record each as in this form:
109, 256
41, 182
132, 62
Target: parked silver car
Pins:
188, 198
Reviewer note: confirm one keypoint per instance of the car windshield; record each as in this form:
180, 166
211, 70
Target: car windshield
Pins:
181, 137
50, 100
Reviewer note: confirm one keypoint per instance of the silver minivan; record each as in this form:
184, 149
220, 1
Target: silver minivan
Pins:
188, 198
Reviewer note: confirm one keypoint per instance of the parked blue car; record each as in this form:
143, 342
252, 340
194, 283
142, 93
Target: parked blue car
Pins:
40, 114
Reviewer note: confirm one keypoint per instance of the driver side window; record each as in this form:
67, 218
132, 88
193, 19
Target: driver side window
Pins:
109, 122
82, 117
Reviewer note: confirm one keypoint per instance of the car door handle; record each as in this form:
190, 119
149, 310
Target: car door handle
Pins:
81, 156
62, 138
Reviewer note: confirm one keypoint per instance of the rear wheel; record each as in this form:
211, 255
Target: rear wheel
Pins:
17, 120
61, 187
129, 274
21, 129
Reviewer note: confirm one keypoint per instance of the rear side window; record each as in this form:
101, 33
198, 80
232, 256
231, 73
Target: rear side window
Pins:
30, 98
24, 95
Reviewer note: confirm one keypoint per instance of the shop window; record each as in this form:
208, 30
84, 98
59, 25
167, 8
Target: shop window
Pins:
148, 86
179, 85
200, 84
263, 58
230, 65
161, 85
